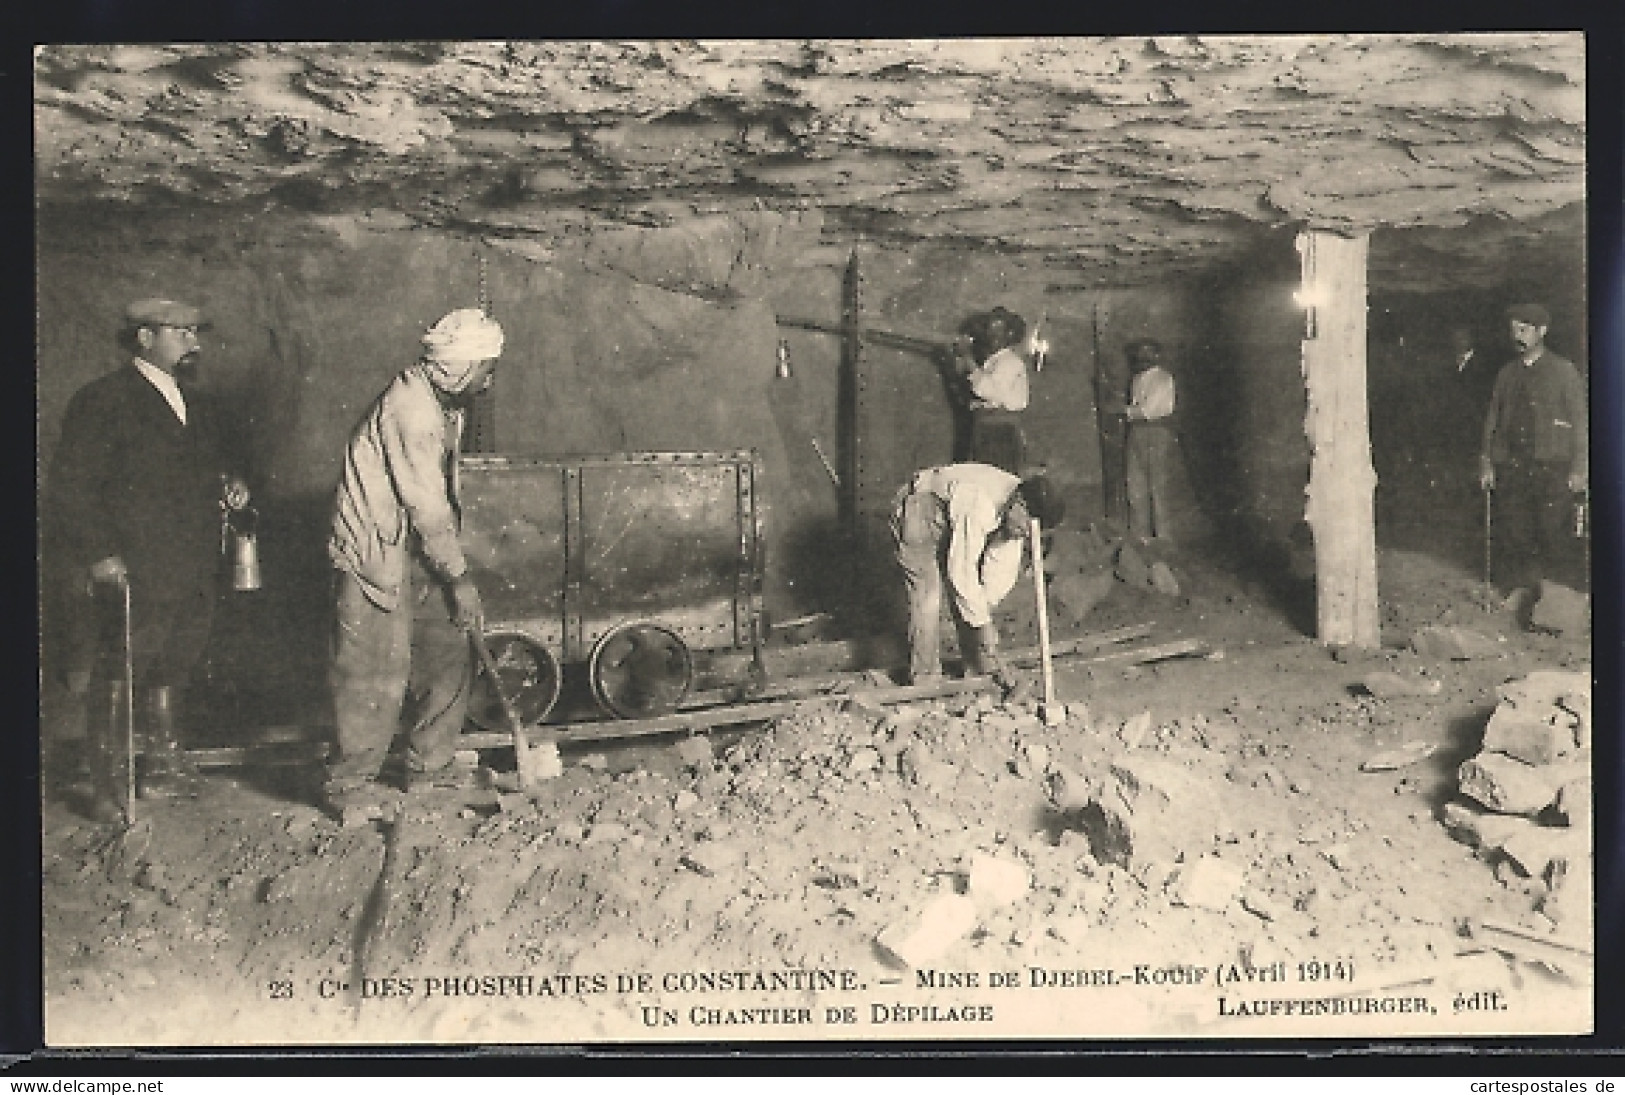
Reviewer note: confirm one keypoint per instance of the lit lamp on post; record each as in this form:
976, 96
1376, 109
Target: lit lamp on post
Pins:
1309, 297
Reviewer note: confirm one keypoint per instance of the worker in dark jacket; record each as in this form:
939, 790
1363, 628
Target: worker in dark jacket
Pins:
1534, 455
136, 489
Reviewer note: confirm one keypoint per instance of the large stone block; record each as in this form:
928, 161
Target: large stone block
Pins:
1548, 854
1150, 810
1541, 691
1534, 737
1485, 831
1510, 786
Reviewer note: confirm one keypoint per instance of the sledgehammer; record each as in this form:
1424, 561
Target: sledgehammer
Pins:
524, 763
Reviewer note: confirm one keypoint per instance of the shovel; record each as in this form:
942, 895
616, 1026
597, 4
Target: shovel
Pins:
524, 762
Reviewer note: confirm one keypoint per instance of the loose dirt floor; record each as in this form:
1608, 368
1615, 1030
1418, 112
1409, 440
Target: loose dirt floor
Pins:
935, 869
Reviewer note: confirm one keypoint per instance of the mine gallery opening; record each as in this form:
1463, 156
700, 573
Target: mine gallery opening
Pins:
517, 515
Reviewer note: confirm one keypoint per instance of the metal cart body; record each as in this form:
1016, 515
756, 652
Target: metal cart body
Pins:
566, 549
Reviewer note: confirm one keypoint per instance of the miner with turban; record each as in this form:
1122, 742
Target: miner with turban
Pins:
404, 598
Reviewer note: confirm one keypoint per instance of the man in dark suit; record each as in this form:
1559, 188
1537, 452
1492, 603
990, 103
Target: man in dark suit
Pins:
136, 489
1535, 456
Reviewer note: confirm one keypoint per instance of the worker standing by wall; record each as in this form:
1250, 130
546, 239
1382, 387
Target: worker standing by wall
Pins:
996, 390
404, 598
1534, 456
1150, 442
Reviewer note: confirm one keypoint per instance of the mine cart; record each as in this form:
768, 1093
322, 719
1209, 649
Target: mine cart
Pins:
628, 564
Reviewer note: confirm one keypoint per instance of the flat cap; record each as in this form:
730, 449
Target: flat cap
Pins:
157, 312
1532, 314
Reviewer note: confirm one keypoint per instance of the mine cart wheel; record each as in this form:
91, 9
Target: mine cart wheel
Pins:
530, 676
639, 670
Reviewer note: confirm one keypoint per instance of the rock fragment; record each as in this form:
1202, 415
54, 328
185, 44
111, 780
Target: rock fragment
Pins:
1561, 609
866, 759
1207, 883
1532, 736
1385, 684
1163, 580
1510, 786
1485, 831
920, 939
997, 881
1573, 803
695, 751
1131, 569
1538, 851
1454, 644
1262, 906
711, 858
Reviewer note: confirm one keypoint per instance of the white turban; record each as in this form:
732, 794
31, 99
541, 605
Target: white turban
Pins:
458, 342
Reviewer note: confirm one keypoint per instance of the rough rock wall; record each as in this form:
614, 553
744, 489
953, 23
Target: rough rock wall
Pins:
638, 338
1247, 399
1112, 157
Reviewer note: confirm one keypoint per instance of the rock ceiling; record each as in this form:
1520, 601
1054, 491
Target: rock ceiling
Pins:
1088, 155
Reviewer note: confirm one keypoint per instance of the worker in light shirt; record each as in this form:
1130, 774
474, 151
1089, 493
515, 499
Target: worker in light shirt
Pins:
965, 523
1150, 442
405, 599
996, 391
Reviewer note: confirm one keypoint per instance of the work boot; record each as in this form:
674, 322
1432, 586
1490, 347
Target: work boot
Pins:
165, 770
354, 802
65, 744
457, 774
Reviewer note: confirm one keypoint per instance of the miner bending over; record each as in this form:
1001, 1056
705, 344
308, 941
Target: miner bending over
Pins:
966, 522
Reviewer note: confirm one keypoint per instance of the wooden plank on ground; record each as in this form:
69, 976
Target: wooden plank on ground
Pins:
284, 749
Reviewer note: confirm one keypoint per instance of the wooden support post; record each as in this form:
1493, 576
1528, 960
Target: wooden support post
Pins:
1110, 392
1339, 507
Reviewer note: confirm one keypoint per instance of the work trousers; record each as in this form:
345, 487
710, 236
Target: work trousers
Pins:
996, 438
919, 533
167, 635
1149, 460
382, 660
1533, 525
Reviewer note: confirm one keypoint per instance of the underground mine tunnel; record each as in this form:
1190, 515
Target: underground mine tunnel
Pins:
756, 260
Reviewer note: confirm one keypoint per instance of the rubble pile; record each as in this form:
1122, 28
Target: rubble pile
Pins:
1261, 806
1529, 792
